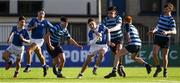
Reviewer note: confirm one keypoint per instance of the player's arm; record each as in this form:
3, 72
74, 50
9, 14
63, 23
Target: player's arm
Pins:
25, 37
72, 41
24, 40
32, 25
151, 32
48, 40
173, 31
9, 37
115, 28
173, 28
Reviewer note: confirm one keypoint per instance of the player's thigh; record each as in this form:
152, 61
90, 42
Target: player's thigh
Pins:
93, 50
103, 49
32, 47
122, 52
61, 56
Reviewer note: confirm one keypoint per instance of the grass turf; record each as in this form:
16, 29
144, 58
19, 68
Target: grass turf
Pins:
134, 74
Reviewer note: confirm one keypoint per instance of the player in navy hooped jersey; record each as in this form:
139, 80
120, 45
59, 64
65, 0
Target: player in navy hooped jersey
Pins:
113, 22
134, 44
37, 26
20, 35
165, 27
54, 49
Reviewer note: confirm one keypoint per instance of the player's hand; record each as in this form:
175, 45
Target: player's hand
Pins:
80, 46
35, 25
150, 33
111, 44
51, 47
21, 37
8, 41
164, 33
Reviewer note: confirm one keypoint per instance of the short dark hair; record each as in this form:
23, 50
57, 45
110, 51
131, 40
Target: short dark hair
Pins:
22, 18
64, 19
112, 8
170, 5
91, 19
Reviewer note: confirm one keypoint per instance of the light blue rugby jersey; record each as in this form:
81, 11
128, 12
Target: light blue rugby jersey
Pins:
133, 34
110, 23
165, 23
101, 29
57, 32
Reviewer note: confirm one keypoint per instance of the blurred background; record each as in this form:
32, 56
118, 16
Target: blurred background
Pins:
145, 15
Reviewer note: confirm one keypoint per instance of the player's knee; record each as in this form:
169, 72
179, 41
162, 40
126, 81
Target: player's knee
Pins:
29, 50
4, 56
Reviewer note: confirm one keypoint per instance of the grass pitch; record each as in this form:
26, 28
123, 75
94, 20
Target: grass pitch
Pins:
134, 75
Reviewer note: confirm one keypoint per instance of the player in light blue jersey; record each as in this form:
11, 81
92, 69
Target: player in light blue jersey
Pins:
37, 26
52, 38
165, 27
134, 44
113, 22
20, 35
98, 38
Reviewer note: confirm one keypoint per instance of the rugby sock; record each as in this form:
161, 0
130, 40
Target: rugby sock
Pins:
28, 65
119, 66
95, 67
114, 70
60, 71
158, 66
44, 66
145, 63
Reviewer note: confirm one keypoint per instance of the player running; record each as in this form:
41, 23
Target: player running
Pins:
98, 45
134, 44
20, 35
54, 49
165, 28
113, 22
37, 26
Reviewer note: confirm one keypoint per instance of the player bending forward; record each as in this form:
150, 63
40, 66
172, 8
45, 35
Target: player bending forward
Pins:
20, 35
98, 35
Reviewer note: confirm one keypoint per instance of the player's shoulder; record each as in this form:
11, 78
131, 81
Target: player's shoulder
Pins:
118, 17
14, 27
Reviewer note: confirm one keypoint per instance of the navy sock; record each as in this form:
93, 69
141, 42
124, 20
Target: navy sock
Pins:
114, 70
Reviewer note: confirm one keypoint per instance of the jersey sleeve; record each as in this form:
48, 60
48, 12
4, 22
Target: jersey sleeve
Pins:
26, 35
119, 20
90, 35
53, 29
172, 24
13, 29
67, 35
31, 23
102, 29
49, 24
104, 21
